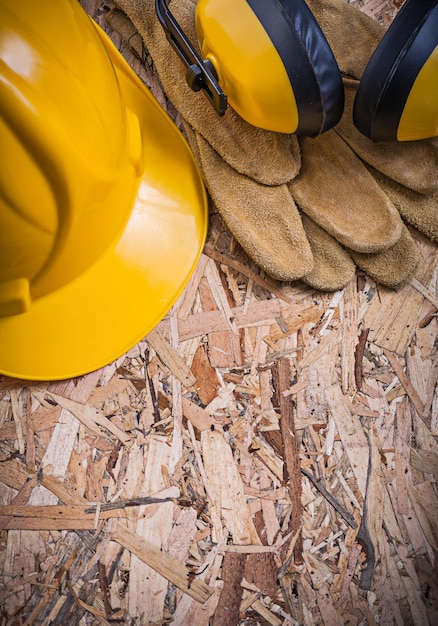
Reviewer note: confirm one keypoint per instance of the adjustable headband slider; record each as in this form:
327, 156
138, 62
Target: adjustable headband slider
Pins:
200, 73
194, 77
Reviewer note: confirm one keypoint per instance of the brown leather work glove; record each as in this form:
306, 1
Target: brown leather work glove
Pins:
306, 209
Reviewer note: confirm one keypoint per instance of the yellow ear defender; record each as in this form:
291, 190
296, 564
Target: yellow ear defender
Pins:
268, 58
103, 213
397, 98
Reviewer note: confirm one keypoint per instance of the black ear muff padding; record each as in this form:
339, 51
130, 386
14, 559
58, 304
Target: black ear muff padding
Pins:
393, 68
309, 62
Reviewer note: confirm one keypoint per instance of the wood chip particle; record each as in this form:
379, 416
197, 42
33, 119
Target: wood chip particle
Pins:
250, 549
296, 388
315, 568
157, 559
271, 524
371, 534
192, 288
351, 433
349, 310
207, 380
424, 460
88, 416
17, 415
403, 428
392, 315
404, 380
426, 510
416, 604
224, 348
268, 284
19, 499
170, 357
358, 357
329, 344
219, 295
226, 489
271, 461
291, 468
212, 321
424, 292
154, 524
252, 600
228, 608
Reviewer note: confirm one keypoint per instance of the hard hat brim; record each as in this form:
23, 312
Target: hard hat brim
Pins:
103, 313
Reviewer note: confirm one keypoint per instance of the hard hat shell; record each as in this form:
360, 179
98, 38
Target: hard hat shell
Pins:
273, 62
397, 97
103, 213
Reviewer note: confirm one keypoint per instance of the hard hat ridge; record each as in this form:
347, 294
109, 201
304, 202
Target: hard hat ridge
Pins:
91, 207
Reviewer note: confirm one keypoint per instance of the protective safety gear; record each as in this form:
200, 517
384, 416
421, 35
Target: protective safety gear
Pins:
246, 171
405, 170
271, 60
269, 57
397, 97
238, 144
103, 211
239, 164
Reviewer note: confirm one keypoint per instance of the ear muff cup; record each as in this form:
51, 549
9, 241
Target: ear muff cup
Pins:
397, 97
309, 62
307, 97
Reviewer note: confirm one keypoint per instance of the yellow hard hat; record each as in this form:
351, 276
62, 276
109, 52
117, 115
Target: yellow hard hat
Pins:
103, 212
268, 58
397, 97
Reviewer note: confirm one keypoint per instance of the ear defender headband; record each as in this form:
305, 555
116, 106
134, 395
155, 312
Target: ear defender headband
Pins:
271, 62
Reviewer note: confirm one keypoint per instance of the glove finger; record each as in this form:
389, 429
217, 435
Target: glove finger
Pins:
393, 267
333, 266
337, 192
263, 219
413, 164
237, 142
418, 210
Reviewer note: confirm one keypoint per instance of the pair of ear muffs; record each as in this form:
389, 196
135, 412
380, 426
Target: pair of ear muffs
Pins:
270, 60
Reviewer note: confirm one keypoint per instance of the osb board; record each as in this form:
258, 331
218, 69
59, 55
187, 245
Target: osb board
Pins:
267, 455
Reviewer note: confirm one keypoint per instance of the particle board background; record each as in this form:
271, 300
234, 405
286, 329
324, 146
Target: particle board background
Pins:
267, 455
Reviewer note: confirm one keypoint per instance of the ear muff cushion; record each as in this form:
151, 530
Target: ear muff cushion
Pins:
389, 77
309, 62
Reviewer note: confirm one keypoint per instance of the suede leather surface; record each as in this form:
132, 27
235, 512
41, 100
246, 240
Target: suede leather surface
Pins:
412, 164
394, 266
264, 219
337, 191
305, 208
238, 143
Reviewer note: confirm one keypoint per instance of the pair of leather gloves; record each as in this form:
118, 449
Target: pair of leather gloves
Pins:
304, 208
